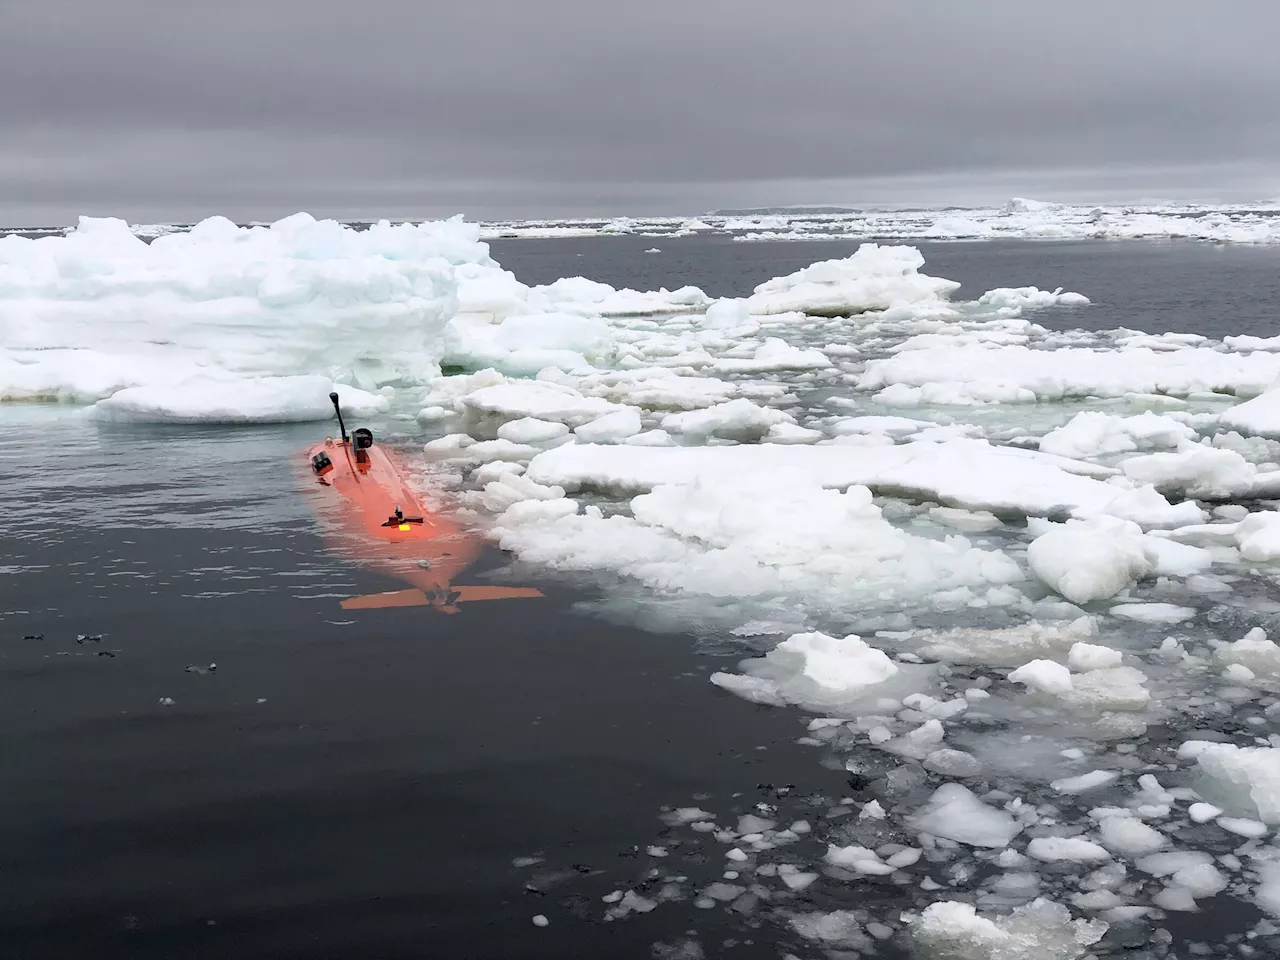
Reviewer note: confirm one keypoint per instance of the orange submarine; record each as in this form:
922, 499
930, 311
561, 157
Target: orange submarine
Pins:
369, 513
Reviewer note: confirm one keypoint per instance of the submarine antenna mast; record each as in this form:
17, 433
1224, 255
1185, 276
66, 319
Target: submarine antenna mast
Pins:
333, 398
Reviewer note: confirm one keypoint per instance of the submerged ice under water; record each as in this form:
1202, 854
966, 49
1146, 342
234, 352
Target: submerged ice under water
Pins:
1017, 577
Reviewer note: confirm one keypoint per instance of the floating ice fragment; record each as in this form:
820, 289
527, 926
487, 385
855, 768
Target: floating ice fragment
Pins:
1091, 656
1040, 930
1130, 837
1044, 675
1085, 562
1203, 812
955, 813
1085, 782
1153, 612
1075, 849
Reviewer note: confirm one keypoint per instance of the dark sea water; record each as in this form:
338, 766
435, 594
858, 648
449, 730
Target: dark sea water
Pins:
358, 785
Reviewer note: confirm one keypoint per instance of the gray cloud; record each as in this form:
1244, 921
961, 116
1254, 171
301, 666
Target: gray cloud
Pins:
159, 110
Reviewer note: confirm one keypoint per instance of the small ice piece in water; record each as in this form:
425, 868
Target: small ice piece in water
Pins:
1130, 837
1044, 675
528, 430
1086, 781
814, 667
1246, 779
840, 928
540, 921
1092, 560
953, 763
859, 859
1040, 930
1253, 651
1092, 656
955, 813
798, 881
1252, 829
1153, 612
1203, 812
683, 815
612, 427
1075, 849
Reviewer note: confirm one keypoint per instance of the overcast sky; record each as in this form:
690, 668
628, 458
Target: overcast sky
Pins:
176, 109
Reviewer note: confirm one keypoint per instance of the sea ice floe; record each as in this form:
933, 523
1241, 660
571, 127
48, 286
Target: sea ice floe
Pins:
238, 400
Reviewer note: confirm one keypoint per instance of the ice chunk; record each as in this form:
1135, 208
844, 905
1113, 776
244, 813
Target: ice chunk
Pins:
1199, 471
1259, 416
99, 310
1253, 650
1040, 930
839, 928
955, 813
1045, 675
755, 535
612, 427
813, 668
970, 473
1086, 562
683, 815
1075, 849
1130, 837
1084, 782
1203, 812
1006, 646
247, 400
799, 881
1070, 372
1091, 656
1153, 612
966, 520
1242, 779
512, 488
536, 400
953, 763
874, 278
1243, 827
732, 420
1109, 689
529, 430
1258, 536
858, 859
524, 345
1018, 297
726, 314
1091, 434
774, 354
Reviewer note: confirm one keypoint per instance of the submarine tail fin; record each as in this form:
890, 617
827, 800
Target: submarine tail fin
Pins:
419, 598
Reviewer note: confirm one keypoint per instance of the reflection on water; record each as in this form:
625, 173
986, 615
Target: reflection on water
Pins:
67, 481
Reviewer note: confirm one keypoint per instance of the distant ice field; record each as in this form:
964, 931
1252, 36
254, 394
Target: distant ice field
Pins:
1005, 534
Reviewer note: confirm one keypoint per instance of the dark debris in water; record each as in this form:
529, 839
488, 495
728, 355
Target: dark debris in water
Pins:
196, 668
34, 636
90, 637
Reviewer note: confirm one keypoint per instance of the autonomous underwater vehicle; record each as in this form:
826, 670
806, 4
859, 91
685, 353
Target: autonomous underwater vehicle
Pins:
370, 513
